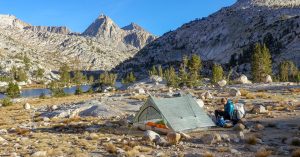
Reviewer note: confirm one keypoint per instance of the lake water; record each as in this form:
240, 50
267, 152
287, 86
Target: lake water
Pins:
26, 93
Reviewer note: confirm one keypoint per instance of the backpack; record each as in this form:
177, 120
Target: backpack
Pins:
229, 108
220, 122
239, 111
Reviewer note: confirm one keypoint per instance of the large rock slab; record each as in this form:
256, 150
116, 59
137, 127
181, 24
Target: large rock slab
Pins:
91, 108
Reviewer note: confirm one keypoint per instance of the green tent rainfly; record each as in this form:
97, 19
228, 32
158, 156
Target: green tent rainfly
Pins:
179, 113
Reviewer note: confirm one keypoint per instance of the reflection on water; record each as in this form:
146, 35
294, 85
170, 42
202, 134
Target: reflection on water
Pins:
37, 92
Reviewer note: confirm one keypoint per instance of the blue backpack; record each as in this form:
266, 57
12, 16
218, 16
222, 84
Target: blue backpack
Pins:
229, 108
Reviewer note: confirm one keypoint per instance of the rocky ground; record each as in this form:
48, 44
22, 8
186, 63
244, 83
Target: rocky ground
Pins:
97, 124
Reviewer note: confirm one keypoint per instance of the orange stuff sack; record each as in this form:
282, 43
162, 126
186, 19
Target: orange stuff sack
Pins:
151, 124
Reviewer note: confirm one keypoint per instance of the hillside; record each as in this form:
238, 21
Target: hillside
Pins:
227, 36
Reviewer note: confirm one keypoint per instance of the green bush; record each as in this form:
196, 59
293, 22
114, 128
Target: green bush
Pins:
6, 102
13, 90
90, 91
39, 73
18, 74
5, 79
78, 90
42, 96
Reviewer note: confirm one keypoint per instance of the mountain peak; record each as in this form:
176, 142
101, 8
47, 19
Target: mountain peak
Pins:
103, 26
133, 26
12, 21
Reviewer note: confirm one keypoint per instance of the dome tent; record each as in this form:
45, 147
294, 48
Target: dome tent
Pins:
180, 114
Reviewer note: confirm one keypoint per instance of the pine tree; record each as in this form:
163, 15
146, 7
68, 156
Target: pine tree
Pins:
91, 79
267, 61
171, 77
18, 74
108, 79
153, 71
183, 75
261, 63
217, 73
129, 78
284, 71
288, 71
194, 66
160, 71
185, 61
64, 72
39, 73
78, 77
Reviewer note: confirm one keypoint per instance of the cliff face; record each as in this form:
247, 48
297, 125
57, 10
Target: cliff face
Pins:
50, 29
226, 36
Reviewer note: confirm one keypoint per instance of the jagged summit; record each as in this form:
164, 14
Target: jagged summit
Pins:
133, 26
51, 29
103, 27
267, 3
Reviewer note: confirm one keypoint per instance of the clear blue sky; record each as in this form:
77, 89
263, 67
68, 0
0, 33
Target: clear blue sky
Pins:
156, 16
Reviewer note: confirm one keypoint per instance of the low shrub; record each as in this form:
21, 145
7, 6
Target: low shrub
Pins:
296, 153
252, 140
42, 96
111, 148
263, 153
6, 102
295, 142
78, 90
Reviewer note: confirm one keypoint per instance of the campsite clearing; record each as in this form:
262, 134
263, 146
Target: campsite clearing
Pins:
278, 131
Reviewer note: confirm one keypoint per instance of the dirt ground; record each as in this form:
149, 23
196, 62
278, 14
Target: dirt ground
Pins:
276, 135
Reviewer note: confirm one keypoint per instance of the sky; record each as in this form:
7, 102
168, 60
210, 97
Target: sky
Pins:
156, 16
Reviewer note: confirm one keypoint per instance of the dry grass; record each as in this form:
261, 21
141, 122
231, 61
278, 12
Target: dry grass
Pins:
223, 149
139, 97
263, 153
295, 90
244, 92
208, 154
111, 148
296, 153
263, 95
250, 96
142, 149
252, 140
132, 153
20, 131
70, 120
